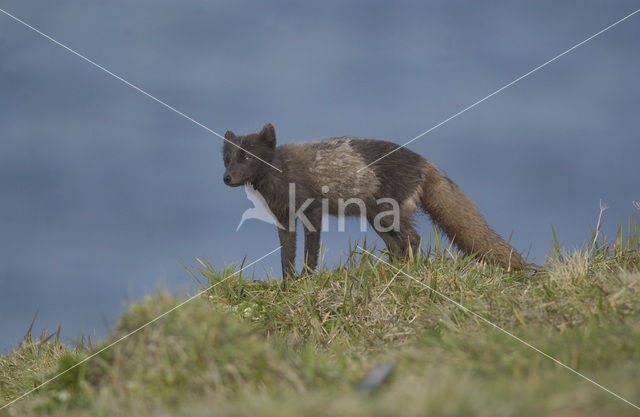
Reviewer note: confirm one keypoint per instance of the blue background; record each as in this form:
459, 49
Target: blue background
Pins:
104, 193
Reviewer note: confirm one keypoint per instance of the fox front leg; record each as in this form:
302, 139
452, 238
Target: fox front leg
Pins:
312, 228
287, 249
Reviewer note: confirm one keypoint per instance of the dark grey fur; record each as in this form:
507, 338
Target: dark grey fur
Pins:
403, 175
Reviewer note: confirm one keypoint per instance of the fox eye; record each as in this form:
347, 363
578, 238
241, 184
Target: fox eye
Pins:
247, 157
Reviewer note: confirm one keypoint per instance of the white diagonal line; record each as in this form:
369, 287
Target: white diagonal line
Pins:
504, 87
135, 331
135, 87
504, 331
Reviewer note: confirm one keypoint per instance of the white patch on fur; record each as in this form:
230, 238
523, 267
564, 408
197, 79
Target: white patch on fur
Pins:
337, 168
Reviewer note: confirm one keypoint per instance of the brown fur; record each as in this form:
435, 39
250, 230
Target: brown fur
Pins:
458, 217
341, 164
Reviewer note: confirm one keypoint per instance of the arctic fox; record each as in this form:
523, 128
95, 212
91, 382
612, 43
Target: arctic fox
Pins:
344, 176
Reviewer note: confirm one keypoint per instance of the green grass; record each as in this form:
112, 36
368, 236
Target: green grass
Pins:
300, 348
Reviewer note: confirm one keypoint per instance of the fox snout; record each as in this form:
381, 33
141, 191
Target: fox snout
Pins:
233, 180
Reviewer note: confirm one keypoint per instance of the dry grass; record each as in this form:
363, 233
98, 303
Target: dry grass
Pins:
299, 348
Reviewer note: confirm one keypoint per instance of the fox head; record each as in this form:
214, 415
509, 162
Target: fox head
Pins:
244, 155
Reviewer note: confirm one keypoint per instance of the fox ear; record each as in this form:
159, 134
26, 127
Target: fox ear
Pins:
268, 134
229, 135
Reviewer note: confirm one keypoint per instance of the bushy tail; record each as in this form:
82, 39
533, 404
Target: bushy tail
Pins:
455, 214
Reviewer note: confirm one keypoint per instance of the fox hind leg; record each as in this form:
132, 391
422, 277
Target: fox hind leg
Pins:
394, 243
410, 237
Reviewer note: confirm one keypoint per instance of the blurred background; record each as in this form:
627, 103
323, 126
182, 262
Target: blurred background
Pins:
105, 194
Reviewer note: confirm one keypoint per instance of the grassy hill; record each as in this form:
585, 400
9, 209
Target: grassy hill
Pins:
300, 348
